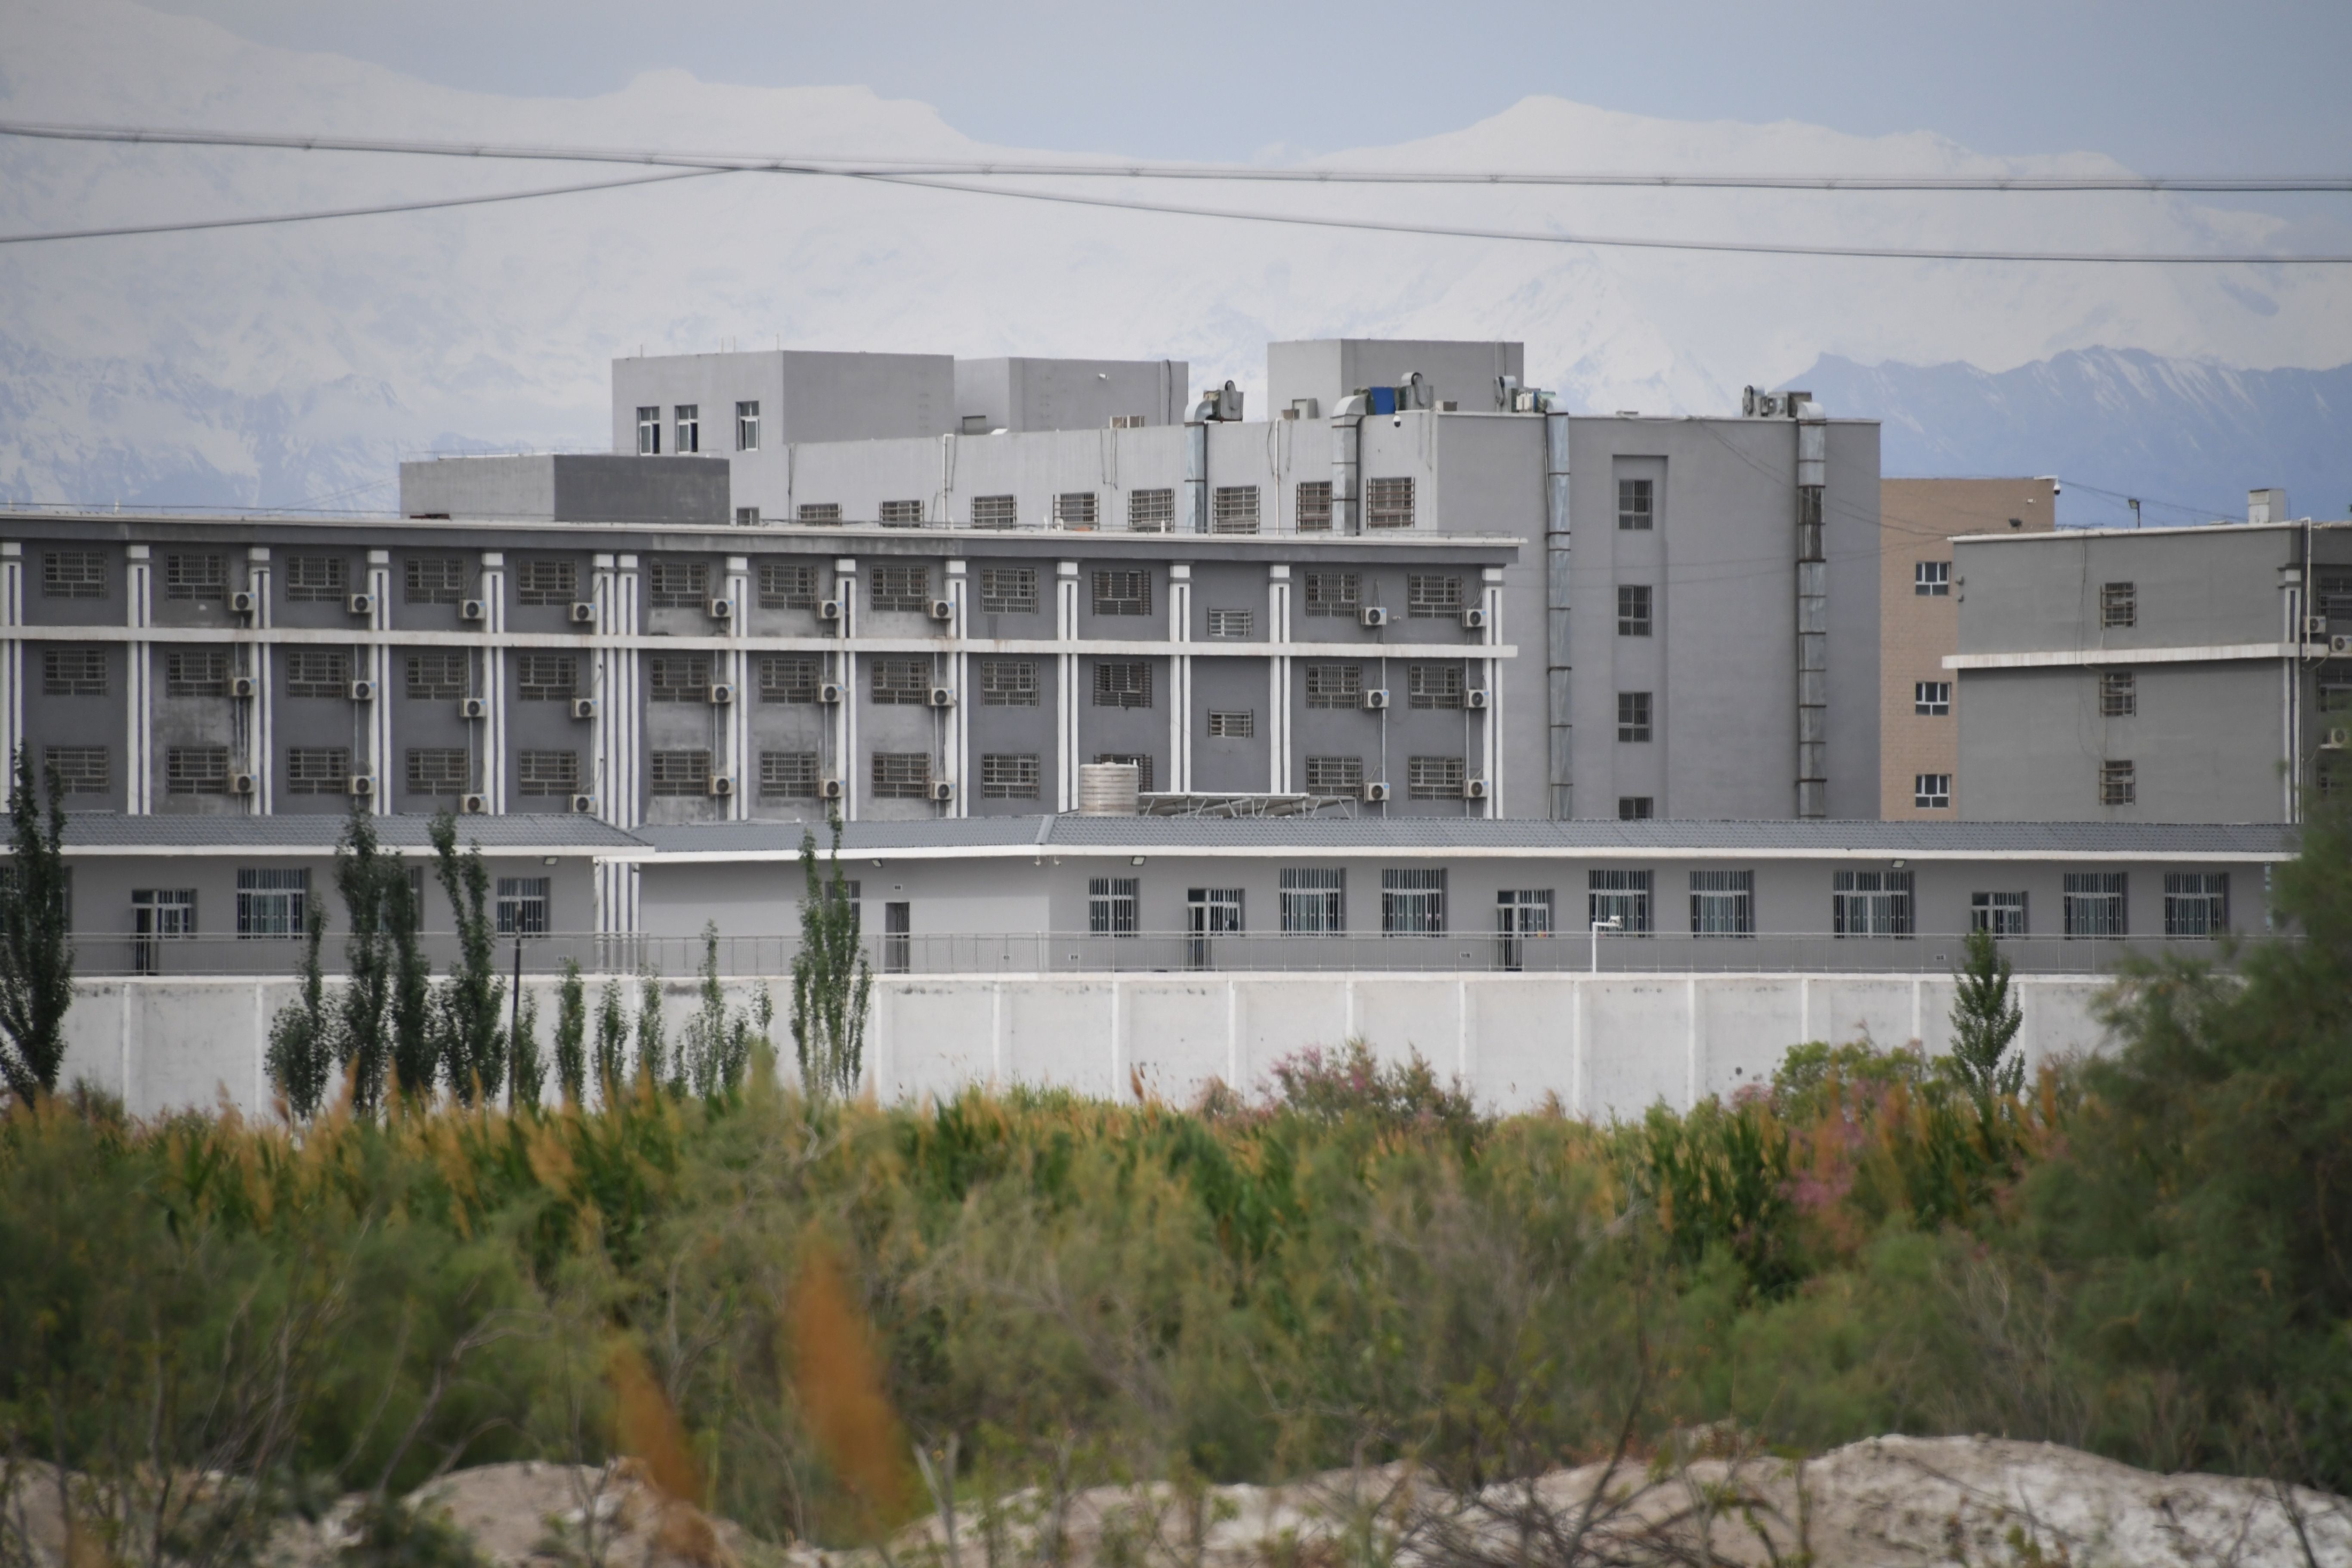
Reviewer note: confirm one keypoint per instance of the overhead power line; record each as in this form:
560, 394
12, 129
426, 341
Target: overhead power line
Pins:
1103, 169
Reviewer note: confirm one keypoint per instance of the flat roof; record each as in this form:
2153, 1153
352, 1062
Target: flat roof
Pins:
315, 834
2157, 531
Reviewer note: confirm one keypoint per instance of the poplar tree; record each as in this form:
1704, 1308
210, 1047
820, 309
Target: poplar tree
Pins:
833, 984
571, 1035
36, 945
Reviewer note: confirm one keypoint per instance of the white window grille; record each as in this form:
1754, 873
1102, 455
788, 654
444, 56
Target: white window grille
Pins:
1621, 895
1412, 903
1723, 903
1314, 901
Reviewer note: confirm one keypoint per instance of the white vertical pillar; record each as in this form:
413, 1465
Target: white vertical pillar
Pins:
384, 762
1277, 695
603, 680
845, 713
12, 653
262, 735
742, 765
1490, 673
139, 711
955, 762
493, 594
1066, 688
628, 755
1180, 677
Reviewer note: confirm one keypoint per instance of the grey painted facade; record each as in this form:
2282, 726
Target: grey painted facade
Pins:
1324, 371
577, 487
1067, 394
2170, 674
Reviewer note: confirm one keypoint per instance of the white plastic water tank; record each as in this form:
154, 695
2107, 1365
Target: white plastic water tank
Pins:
1108, 789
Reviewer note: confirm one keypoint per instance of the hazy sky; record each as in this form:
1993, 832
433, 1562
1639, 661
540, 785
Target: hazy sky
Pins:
2168, 86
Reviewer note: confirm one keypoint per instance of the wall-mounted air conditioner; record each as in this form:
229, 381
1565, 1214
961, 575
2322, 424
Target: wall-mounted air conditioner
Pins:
583, 613
243, 686
361, 784
942, 790
242, 783
829, 692
722, 609
584, 803
721, 786
721, 695
1373, 616
1475, 697
1374, 794
474, 610
583, 708
1376, 698
1474, 619
360, 603
2339, 646
474, 804
244, 601
363, 691
942, 609
1473, 789
2314, 626
474, 708
2337, 741
942, 696
828, 609
829, 790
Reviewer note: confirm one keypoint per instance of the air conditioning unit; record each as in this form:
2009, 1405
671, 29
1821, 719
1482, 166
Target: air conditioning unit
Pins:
583, 708
474, 804
244, 601
2314, 626
829, 692
943, 609
474, 708
363, 691
830, 789
2339, 646
722, 609
721, 695
2337, 741
360, 603
583, 613
1475, 697
241, 783
1473, 789
1474, 619
943, 696
474, 610
1373, 616
721, 786
361, 784
1374, 794
1376, 698
828, 609
243, 686
584, 803
942, 790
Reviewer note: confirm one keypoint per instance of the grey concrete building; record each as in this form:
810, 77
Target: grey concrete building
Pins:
2165, 675
576, 487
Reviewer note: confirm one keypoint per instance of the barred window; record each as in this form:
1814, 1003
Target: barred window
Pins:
1335, 775
1232, 724
437, 769
316, 579
1634, 716
1314, 901
2197, 903
435, 579
545, 581
2118, 604
1434, 685
1008, 590
2001, 914
2118, 783
1151, 511
73, 575
1434, 778
2336, 687
1335, 684
1112, 905
1122, 593
1620, 895
1431, 595
318, 672
678, 678
677, 585
1005, 776
73, 672
904, 681
902, 514
994, 511
899, 585
787, 585
1633, 610
819, 511
902, 775
1413, 903
521, 907
788, 678
788, 776
195, 577
197, 672
1633, 505
273, 903
435, 675
1314, 504
1333, 592
1122, 683
81, 770
318, 769
1233, 509
196, 770
1230, 624
2095, 903
1723, 903
1636, 808
547, 677
1136, 760
2119, 694
1388, 503
1074, 509
1008, 683
547, 772
680, 773
1870, 903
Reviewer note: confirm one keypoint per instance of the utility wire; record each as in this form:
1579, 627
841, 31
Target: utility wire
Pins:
861, 164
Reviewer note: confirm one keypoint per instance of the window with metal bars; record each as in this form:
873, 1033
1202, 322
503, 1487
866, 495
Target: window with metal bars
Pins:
1636, 808
677, 585
1634, 716
1413, 903
1233, 509
788, 776
1434, 778
1870, 903
73, 575
787, 585
437, 769
906, 682
195, 577
2118, 783
1388, 503
318, 672
316, 579
902, 775
1314, 901
435, 676
1111, 904
2001, 914
1008, 777
902, 514
197, 672
899, 586
1008, 683
1232, 724
196, 770
1634, 498
2119, 604
434, 579
1620, 895
1335, 686
1434, 685
995, 511
1335, 775
81, 770
547, 772
788, 678
1230, 624
819, 511
73, 672
679, 773
1008, 590
1122, 683
1633, 610
519, 905
1723, 903
1313, 503
1332, 593
547, 677
1151, 511
2095, 903
1122, 593
2197, 903
545, 581
1433, 596
678, 678
318, 769
273, 903
1074, 509
2118, 694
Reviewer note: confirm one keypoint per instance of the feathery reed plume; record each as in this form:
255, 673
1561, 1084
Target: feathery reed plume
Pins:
838, 1378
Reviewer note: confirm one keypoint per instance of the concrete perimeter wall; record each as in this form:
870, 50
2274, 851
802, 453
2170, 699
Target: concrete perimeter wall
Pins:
1606, 1044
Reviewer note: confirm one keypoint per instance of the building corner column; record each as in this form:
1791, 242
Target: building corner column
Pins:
1180, 677
1066, 686
1812, 616
1559, 697
1277, 680
139, 761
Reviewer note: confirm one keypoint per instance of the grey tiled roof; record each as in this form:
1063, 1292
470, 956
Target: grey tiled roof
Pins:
555, 831
752, 838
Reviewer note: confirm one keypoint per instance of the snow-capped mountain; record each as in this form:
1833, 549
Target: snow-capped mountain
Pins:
292, 364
